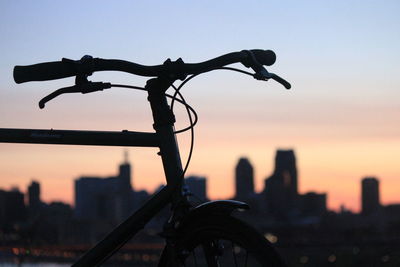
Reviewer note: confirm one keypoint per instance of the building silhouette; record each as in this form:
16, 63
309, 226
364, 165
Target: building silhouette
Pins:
244, 180
125, 174
370, 203
281, 193
125, 190
197, 186
12, 208
313, 204
34, 202
109, 198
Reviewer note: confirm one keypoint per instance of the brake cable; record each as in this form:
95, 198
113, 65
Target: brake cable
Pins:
195, 75
192, 124
189, 109
84, 86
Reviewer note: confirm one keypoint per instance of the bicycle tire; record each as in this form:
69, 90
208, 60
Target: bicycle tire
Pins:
195, 234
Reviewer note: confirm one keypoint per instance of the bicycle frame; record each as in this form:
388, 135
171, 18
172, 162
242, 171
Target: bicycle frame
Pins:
164, 138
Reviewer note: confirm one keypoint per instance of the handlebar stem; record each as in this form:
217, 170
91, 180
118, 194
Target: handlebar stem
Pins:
162, 114
174, 70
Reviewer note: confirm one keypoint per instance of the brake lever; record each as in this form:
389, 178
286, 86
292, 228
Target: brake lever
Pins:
264, 75
84, 88
282, 81
65, 90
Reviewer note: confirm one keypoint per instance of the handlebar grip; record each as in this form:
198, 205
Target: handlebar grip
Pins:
43, 72
264, 57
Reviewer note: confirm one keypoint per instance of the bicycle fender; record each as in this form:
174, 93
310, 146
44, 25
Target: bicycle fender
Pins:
217, 207
220, 206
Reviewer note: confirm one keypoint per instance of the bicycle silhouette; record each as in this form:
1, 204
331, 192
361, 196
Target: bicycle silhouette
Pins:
204, 235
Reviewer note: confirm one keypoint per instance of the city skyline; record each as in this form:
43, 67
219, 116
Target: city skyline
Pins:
58, 232
242, 161
94, 195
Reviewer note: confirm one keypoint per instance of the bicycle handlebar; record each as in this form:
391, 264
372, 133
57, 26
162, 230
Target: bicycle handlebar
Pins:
87, 65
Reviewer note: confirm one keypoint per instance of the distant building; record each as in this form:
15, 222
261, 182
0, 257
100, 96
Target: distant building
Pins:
244, 180
34, 202
370, 196
197, 185
125, 174
54, 223
109, 198
12, 208
125, 190
392, 214
313, 204
281, 187
139, 198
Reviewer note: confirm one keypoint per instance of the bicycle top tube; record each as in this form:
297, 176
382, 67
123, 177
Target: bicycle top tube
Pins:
254, 59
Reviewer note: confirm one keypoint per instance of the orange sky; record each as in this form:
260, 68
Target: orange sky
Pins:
335, 168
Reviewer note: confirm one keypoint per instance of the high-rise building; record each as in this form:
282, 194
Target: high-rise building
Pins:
34, 201
125, 174
125, 194
197, 185
281, 187
244, 178
370, 196
108, 198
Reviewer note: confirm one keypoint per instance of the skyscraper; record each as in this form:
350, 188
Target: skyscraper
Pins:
108, 198
244, 178
125, 194
34, 194
281, 187
370, 196
125, 174
34, 202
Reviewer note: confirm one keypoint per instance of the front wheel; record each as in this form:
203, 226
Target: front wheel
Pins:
218, 241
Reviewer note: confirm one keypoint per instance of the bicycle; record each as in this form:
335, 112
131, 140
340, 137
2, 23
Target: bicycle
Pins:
208, 229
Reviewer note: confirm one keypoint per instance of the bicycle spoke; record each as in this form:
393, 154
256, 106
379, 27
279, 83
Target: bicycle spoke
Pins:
234, 254
210, 255
194, 257
247, 256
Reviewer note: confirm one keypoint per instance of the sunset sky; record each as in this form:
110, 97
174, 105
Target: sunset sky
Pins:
342, 117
